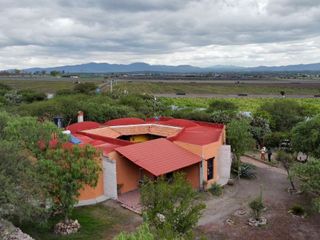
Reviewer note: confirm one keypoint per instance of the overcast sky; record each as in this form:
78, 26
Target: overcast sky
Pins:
197, 32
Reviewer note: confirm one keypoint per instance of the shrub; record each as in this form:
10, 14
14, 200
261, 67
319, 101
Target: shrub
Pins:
172, 210
246, 170
257, 206
142, 233
216, 189
86, 88
297, 210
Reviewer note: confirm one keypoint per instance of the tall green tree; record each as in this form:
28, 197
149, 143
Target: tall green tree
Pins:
173, 209
287, 160
240, 139
309, 177
305, 137
282, 114
63, 171
67, 171
20, 188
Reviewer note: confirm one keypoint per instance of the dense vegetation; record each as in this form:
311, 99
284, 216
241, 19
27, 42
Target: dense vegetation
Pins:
35, 163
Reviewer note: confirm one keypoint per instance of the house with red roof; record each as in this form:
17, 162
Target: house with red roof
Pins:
133, 149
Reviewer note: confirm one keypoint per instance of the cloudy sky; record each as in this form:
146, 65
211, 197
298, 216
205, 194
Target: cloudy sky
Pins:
197, 32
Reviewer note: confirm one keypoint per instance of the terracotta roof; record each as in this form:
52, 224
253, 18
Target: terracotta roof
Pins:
124, 121
77, 127
199, 135
158, 156
179, 122
103, 131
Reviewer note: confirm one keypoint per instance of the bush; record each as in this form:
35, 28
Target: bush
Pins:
274, 139
172, 210
86, 88
297, 210
216, 189
222, 105
257, 206
142, 233
246, 170
29, 95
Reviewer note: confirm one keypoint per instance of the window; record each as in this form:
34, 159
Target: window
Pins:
210, 168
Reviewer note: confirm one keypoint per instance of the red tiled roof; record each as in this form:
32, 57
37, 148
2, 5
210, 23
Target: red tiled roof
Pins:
77, 127
199, 135
158, 156
102, 145
179, 122
124, 121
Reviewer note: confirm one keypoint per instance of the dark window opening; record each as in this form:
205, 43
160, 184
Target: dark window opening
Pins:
169, 177
210, 168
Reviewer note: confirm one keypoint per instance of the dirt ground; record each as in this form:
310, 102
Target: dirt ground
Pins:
281, 224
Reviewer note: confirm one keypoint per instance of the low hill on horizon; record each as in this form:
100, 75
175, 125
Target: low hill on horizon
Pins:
144, 67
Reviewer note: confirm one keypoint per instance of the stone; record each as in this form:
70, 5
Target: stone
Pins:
257, 223
66, 228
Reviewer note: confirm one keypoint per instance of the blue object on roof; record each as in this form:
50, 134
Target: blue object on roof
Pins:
74, 140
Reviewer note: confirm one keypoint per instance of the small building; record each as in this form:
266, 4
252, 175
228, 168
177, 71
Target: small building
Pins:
133, 149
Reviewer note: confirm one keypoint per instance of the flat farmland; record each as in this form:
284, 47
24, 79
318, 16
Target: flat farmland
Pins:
271, 88
46, 85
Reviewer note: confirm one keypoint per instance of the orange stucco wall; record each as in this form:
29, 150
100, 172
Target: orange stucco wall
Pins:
88, 192
128, 173
192, 175
206, 152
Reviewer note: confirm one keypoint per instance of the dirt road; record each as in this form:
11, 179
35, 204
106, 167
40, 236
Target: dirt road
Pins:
281, 225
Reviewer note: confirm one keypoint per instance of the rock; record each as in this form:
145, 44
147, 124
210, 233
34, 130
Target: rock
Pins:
9, 232
240, 212
66, 228
230, 221
257, 223
230, 182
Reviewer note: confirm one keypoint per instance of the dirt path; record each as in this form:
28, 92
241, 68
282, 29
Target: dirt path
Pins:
277, 200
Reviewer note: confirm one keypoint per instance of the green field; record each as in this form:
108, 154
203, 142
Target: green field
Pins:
218, 88
40, 85
244, 104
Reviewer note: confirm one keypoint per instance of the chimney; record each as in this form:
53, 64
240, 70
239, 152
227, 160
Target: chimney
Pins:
80, 116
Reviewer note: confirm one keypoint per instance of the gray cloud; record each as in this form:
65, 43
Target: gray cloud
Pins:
201, 32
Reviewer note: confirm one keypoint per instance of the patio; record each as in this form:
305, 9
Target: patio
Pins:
131, 201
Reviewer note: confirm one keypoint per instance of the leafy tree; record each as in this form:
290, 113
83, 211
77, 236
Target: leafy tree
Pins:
63, 171
222, 111
274, 139
306, 137
142, 233
12, 97
20, 187
54, 73
224, 117
222, 105
29, 95
4, 119
172, 210
4, 89
309, 177
240, 139
67, 172
259, 129
191, 114
85, 88
283, 114
287, 161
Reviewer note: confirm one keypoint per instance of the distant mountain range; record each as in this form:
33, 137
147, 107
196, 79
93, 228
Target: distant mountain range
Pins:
144, 67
